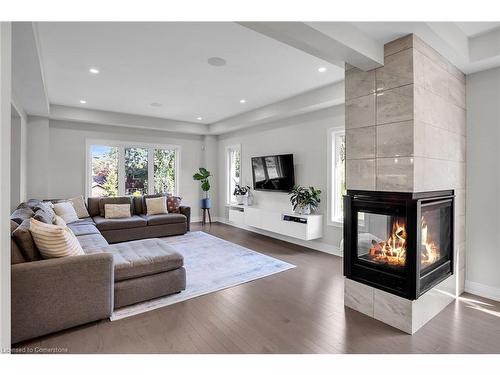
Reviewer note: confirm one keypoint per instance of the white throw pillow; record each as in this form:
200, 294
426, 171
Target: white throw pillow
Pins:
155, 206
58, 220
54, 241
79, 206
116, 211
66, 211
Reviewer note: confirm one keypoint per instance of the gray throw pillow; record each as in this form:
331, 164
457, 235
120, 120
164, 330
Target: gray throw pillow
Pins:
22, 236
15, 252
21, 213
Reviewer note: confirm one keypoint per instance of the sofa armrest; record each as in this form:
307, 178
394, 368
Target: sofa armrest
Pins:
186, 211
55, 294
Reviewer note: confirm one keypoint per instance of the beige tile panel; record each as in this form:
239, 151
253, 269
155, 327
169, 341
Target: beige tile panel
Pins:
459, 228
359, 83
457, 73
398, 45
395, 105
395, 174
430, 75
395, 140
360, 174
431, 109
430, 52
437, 143
397, 71
358, 297
393, 310
438, 174
460, 201
360, 112
456, 91
361, 143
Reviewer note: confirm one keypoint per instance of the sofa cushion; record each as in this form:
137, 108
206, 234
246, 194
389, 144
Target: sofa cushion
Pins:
22, 236
85, 221
93, 206
79, 205
67, 211
22, 213
111, 224
92, 243
164, 219
83, 229
16, 256
115, 200
143, 257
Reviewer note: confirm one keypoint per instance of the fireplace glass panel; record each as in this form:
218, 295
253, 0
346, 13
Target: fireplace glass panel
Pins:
382, 240
435, 236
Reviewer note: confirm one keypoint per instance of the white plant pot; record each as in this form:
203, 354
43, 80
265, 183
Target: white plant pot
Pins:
239, 199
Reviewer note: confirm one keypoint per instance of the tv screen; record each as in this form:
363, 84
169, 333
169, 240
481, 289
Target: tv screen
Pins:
273, 173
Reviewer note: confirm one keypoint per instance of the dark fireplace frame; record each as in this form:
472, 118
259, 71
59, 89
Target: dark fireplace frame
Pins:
409, 284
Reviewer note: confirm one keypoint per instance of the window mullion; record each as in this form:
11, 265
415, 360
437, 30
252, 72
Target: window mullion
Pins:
151, 188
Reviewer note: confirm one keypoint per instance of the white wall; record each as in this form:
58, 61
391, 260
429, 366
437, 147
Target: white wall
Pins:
5, 127
305, 136
483, 184
38, 158
65, 168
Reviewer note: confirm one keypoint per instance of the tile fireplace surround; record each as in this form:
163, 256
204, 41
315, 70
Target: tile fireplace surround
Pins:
405, 133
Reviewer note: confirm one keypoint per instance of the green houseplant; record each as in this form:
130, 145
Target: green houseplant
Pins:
203, 176
304, 200
240, 192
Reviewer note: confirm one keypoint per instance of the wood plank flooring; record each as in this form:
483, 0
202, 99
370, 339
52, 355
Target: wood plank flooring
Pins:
296, 311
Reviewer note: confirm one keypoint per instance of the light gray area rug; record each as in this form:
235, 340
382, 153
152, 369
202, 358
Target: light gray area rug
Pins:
211, 264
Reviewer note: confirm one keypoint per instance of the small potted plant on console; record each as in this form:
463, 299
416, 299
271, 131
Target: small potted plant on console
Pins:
304, 200
240, 192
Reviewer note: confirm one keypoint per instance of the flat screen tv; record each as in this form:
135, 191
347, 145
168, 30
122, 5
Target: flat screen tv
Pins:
273, 173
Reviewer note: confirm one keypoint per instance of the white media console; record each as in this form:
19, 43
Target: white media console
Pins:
304, 227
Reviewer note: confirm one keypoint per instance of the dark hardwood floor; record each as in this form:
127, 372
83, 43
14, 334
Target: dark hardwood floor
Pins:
296, 311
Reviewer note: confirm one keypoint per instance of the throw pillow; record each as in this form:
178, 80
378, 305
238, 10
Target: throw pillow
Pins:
80, 208
66, 211
173, 204
155, 206
46, 211
116, 211
22, 237
54, 241
58, 220
115, 200
44, 216
21, 213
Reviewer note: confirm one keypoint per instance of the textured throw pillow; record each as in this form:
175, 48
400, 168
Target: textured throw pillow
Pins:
115, 200
24, 240
45, 212
54, 241
58, 220
173, 204
22, 213
116, 211
155, 206
66, 211
79, 206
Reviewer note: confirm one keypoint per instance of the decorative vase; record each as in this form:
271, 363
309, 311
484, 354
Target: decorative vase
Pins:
239, 199
206, 203
248, 200
306, 210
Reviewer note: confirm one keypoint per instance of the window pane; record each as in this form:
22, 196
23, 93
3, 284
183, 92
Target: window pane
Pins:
104, 171
164, 171
136, 171
234, 172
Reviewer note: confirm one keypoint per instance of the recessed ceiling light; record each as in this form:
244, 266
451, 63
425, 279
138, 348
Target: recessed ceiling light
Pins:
156, 104
94, 71
243, 101
216, 61
199, 118
322, 69
83, 101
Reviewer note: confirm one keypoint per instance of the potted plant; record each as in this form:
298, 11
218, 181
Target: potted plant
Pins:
304, 200
203, 176
240, 192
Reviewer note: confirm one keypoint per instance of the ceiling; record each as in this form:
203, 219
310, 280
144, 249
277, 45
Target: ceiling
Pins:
472, 29
166, 63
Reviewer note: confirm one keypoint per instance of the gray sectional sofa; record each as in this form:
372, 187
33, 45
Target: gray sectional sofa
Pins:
123, 264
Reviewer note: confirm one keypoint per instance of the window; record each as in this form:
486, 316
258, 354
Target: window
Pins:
337, 185
233, 168
116, 168
104, 170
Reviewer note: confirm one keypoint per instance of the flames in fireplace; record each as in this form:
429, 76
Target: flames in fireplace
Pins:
393, 250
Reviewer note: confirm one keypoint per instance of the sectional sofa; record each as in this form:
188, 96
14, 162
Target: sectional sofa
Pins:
124, 263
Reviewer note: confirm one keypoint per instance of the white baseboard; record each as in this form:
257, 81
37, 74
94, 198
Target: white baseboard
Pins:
314, 245
482, 290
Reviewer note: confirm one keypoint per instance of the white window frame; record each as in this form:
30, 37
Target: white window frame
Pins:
122, 145
229, 193
335, 217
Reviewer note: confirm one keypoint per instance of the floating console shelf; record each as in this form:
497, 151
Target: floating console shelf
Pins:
304, 227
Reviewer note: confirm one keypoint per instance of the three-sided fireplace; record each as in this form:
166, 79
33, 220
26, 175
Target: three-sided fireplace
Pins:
401, 243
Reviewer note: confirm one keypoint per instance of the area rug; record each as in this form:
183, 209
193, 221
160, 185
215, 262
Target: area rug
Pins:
211, 264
